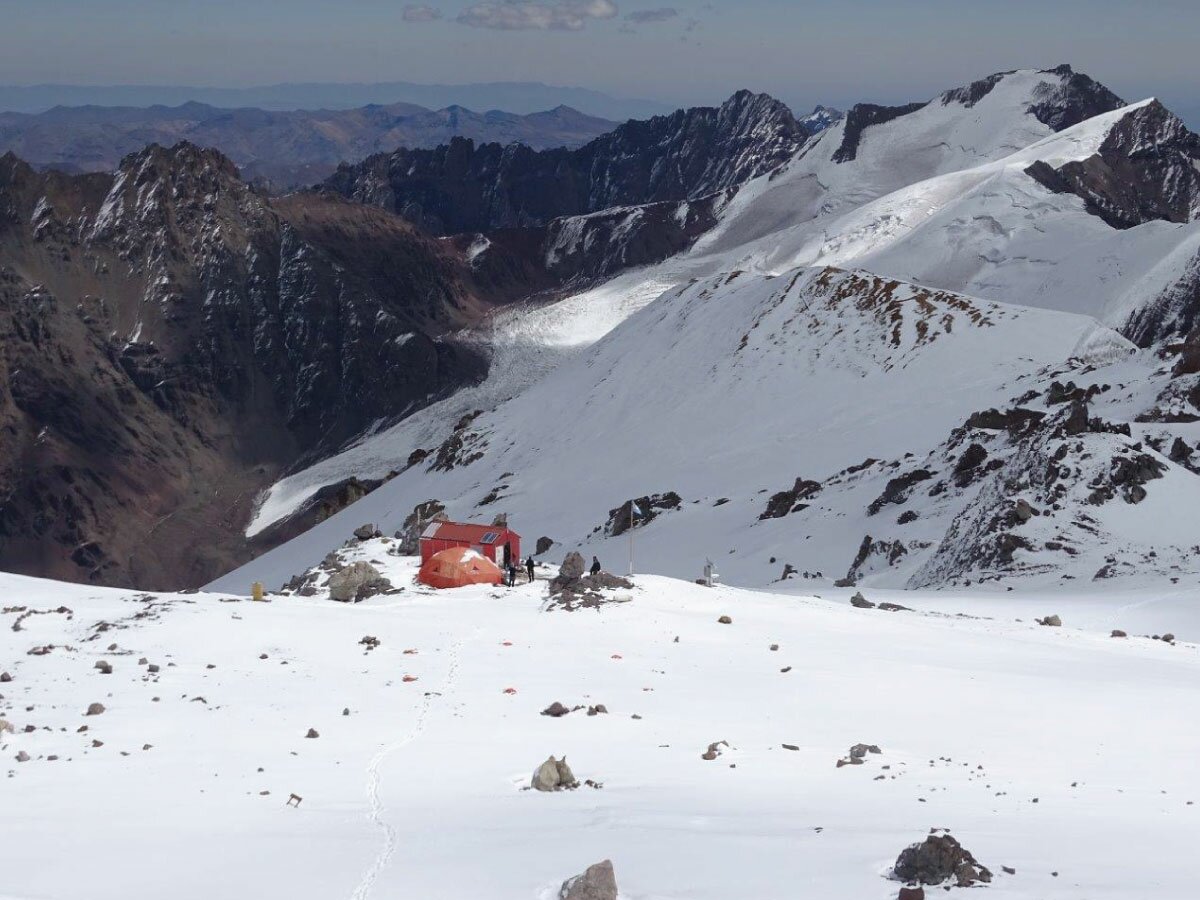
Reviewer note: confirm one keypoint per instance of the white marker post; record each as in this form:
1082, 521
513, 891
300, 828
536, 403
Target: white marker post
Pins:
633, 513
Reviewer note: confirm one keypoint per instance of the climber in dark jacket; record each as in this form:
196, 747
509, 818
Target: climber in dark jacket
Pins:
595, 570
529, 568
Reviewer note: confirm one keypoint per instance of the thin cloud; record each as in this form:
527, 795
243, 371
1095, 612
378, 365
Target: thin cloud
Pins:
535, 15
648, 16
419, 12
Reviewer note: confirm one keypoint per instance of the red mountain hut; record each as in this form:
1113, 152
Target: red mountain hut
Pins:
495, 542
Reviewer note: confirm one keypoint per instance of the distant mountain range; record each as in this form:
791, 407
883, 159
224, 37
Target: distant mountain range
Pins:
515, 96
282, 149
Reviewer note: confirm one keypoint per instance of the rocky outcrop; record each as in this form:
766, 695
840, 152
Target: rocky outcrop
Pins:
790, 501
937, 860
357, 581
860, 118
640, 512
1075, 98
898, 489
1147, 169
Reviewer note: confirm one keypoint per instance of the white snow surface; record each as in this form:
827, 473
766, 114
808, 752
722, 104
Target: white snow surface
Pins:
1038, 747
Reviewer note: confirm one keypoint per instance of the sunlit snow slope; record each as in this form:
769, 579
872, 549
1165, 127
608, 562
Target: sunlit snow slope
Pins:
1035, 745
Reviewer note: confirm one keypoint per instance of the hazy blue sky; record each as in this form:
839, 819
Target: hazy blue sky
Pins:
676, 51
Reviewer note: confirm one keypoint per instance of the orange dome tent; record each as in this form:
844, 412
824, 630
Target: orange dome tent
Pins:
458, 567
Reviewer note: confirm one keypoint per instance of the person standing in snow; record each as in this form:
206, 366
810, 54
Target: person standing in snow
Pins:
512, 575
595, 570
529, 568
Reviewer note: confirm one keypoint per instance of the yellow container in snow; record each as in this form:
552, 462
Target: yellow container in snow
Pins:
256, 591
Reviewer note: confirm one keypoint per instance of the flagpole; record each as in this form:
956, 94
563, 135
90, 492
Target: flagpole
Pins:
631, 523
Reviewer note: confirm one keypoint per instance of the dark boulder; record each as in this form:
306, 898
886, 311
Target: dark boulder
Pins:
939, 859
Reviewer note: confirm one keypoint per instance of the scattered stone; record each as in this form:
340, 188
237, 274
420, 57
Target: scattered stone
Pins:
94, 709
856, 755
938, 859
1008, 870
22, 756
6, 726
104, 666
1052, 621
893, 607
346, 711
143, 661
5, 678
312, 733
598, 883
860, 602
714, 750
1118, 633
598, 709
366, 532
790, 747
725, 620
911, 893
773, 647
555, 710
543, 545
153, 668
97, 743
1169, 638
369, 641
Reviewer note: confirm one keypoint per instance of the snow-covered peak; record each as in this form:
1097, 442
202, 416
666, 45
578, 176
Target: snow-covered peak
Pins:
820, 118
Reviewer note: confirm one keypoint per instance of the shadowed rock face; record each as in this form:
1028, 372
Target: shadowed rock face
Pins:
171, 341
1077, 99
1146, 170
462, 187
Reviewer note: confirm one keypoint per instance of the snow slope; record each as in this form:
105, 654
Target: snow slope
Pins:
1039, 747
728, 389
991, 231
941, 137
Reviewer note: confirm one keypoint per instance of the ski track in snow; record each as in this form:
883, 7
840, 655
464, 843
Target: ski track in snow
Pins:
378, 808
